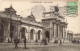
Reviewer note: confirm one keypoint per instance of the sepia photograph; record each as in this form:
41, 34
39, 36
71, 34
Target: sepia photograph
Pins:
39, 25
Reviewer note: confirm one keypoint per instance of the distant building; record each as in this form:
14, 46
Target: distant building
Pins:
52, 27
76, 36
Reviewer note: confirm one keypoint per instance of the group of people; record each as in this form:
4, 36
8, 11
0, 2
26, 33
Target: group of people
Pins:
44, 42
16, 42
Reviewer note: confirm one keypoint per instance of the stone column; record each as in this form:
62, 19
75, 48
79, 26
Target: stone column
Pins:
28, 33
0, 30
63, 33
51, 30
9, 29
0, 26
15, 31
54, 30
58, 31
18, 30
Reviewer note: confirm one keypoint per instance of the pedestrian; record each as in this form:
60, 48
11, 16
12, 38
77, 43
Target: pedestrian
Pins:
16, 41
60, 42
46, 41
8, 40
24, 42
36, 42
41, 42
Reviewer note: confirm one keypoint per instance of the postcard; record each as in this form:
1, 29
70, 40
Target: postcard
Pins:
39, 25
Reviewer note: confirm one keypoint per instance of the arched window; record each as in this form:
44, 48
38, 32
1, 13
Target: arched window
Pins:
39, 32
32, 33
23, 32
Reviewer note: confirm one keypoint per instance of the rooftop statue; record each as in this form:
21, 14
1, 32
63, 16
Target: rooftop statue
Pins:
56, 8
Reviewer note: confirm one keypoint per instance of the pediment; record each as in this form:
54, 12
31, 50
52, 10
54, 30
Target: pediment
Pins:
31, 18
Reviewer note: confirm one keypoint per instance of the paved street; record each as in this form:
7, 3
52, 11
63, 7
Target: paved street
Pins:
55, 47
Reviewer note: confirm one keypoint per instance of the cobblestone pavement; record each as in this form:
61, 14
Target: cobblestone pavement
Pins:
54, 47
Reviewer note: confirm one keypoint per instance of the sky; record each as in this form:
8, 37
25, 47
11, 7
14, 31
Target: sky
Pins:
24, 9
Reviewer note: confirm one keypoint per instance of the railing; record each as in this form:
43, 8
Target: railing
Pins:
62, 19
58, 18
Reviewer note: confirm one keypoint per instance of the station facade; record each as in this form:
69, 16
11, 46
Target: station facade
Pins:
52, 27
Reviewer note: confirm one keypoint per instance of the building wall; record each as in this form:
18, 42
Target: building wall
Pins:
35, 34
17, 31
76, 36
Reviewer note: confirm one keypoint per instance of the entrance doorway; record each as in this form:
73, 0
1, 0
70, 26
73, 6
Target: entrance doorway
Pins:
47, 35
32, 34
23, 32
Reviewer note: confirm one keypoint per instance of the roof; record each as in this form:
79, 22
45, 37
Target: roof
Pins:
10, 9
76, 34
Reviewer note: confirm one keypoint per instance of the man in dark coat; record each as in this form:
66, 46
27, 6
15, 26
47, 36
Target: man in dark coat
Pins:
36, 42
16, 41
24, 42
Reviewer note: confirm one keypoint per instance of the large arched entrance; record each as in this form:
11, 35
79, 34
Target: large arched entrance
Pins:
32, 34
23, 32
47, 35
